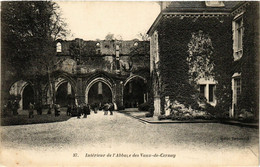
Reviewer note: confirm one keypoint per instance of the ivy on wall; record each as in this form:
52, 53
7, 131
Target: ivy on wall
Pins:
175, 35
200, 52
248, 65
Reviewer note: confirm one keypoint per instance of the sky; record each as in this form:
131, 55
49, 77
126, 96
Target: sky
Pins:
94, 20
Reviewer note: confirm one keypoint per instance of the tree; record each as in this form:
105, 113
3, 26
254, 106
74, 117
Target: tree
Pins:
143, 36
110, 37
29, 31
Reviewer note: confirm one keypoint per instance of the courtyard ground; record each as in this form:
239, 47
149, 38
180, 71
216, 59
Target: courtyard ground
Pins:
125, 141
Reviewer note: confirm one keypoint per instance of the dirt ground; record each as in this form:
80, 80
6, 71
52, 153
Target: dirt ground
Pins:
109, 140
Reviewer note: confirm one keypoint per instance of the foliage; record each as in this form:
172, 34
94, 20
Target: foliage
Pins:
143, 36
142, 48
181, 112
151, 111
245, 116
29, 29
248, 65
144, 107
80, 50
110, 37
200, 52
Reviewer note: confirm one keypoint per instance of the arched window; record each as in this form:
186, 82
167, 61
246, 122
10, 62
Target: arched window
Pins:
58, 47
214, 4
100, 88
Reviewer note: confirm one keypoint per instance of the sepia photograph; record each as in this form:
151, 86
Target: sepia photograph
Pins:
129, 83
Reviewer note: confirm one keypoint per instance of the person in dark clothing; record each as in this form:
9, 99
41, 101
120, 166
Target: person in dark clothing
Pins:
78, 111
111, 108
100, 106
9, 104
86, 110
69, 110
106, 108
31, 108
57, 110
74, 110
39, 109
15, 107
49, 109
95, 108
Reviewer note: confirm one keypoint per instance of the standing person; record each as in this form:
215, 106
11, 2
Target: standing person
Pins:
69, 110
9, 106
82, 109
95, 107
15, 107
92, 107
39, 108
106, 107
100, 106
57, 110
31, 108
72, 111
86, 110
49, 109
111, 108
78, 111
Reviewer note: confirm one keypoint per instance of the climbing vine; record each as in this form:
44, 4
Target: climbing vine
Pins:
181, 39
200, 51
248, 65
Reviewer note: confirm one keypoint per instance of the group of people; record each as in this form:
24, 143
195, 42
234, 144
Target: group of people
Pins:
32, 107
81, 109
72, 110
84, 109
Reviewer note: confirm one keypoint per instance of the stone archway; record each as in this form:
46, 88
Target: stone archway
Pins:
25, 90
99, 90
27, 96
64, 92
134, 92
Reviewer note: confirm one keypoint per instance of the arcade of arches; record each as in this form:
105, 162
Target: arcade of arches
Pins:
129, 93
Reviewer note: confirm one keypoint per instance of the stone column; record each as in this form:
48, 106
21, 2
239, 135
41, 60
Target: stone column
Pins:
79, 95
118, 93
117, 59
53, 94
69, 88
157, 105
